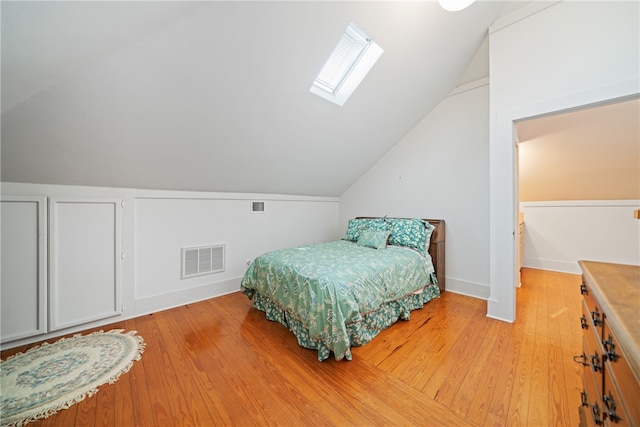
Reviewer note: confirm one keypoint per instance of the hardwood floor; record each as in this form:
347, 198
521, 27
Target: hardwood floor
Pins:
220, 362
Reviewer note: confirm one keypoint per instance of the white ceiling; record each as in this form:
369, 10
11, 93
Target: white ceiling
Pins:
214, 95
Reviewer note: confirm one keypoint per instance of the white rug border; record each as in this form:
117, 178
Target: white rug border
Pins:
86, 391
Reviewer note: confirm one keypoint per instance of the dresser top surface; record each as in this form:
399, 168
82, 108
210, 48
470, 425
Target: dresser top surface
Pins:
616, 287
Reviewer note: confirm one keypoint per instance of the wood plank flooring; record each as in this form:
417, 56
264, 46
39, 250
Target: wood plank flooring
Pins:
221, 363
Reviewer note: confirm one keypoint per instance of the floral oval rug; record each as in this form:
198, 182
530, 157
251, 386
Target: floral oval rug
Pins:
51, 377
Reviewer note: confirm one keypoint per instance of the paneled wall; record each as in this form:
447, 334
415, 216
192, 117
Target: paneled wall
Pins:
153, 227
23, 291
557, 234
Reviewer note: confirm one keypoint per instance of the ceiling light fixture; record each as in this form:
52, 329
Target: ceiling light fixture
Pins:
455, 5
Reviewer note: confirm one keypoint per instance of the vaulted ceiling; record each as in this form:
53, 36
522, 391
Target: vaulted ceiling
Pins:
588, 153
214, 95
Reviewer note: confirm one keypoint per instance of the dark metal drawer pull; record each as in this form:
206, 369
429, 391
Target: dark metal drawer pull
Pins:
610, 349
595, 363
610, 406
583, 362
584, 398
583, 289
595, 315
583, 323
595, 411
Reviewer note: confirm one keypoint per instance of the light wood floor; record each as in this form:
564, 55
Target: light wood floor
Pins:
219, 362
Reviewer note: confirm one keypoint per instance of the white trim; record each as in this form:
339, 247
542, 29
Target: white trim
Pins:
552, 265
169, 300
18, 188
520, 14
469, 86
503, 319
580, 203
54, 322
470, 289
504, 264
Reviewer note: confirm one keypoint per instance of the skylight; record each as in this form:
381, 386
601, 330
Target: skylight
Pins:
349, 63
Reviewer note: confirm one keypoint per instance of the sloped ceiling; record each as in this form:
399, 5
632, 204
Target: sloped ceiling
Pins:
214, 96
590, 153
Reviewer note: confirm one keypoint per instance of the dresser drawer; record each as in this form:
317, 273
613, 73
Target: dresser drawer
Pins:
612, 405
594, 311
625, 381
592, 380
590, 332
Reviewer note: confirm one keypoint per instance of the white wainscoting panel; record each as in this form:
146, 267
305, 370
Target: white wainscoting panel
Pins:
115, 252
558, 234
23, 291
84, 260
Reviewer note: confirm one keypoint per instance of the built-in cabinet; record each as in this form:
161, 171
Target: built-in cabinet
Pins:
60, 263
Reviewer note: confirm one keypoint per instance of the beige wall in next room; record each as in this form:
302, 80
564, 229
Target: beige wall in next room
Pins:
587, 154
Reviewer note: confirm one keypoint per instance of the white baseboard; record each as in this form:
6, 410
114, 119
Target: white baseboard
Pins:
471, 289
500, 319
143, 307
552, 265
186, 296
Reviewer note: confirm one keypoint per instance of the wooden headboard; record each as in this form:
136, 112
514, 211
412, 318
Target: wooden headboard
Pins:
436, 248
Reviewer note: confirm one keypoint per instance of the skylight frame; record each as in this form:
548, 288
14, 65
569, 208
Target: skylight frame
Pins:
350, 62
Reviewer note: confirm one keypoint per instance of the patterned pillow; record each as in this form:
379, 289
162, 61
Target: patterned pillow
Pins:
353, 229
428, 229
380, 224
357, 224
411, 233
371, 238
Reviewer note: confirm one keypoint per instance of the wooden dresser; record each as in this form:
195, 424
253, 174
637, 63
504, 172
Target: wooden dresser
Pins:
611, 344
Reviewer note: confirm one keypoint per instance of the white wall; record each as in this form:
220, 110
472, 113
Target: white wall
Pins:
439, 170
157, 224
545, 59
557, 234
163, 225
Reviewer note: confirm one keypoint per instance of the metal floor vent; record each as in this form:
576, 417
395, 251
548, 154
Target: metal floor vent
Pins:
202, 260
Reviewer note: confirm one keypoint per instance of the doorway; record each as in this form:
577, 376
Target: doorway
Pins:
503, 181
573, 162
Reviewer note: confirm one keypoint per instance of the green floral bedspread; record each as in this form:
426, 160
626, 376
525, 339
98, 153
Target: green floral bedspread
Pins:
338, 294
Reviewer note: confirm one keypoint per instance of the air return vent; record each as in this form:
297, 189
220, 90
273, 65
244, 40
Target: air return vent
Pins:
202, 260
257, 207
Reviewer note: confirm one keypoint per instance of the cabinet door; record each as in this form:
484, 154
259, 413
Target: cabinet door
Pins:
84, 261
23, 270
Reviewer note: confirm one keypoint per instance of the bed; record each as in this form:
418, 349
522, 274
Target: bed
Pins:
336, 295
